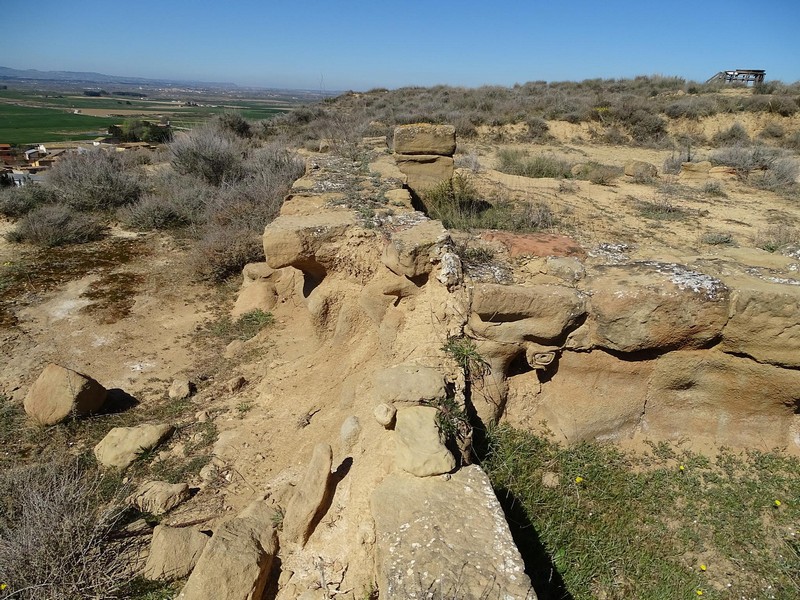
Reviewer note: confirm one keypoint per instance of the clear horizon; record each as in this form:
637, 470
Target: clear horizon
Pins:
358, 45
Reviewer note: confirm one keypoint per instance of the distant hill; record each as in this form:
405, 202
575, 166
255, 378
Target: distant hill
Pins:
89, 77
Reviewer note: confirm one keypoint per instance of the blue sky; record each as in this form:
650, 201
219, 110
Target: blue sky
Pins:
338, 45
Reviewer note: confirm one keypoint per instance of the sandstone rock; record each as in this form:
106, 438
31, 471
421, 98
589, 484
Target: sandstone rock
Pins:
450, 273
712, 396
590, 396
235, 384
174, 552
254, 271
236, 561
309, 498
122, 445
513, 313
304, 241
450, 536
764, 322
425, 171
551, 480
425, 138
409, 383
259, 295
409, 251
568, 268
180, 389
535, 244
384, 414
59, 392
640, 169
695, 171
349, 432
159, 497
419, 445
399, 197
656, 306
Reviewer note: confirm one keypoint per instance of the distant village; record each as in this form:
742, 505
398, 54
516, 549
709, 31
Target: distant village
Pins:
27, 163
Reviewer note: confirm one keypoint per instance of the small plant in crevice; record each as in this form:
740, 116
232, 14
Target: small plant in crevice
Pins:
465, 353
243, 328
455, 425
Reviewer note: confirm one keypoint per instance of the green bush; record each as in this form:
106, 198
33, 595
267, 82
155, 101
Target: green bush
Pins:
55, 225
95, 180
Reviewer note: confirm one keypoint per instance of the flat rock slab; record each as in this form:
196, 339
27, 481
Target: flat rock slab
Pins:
60, 392
123, 445
419, 446
174, 552
409, 383
449, 535
159, 497
425, 138
309, 497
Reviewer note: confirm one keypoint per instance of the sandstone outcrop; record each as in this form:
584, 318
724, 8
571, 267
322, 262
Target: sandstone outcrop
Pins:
236, 561
409, 251
173, 552
445, 534
640, 169
423, 153
59, 392
409, 384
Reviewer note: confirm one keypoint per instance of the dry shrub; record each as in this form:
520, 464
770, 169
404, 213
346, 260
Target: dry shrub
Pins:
777, 237
224, 250
55, 225
58, 535
96, 180
18, 201
516, 162
734, 135
210, 153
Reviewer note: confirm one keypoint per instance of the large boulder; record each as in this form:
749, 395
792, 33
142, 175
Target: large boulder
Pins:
420, 448
448, 535
722, 399
640, 169
409, 384
174, 552
656, 306
236, 562
409, 251
425, 171
764, 322
310, 497
513, 313
425, 138
123, 445
59, 392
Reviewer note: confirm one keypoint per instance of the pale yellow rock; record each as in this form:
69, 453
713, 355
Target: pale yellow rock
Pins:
59, 392
419, 447
174, 552
159, 497
123, 445
425, 171
425, 138
309, 498
409, 251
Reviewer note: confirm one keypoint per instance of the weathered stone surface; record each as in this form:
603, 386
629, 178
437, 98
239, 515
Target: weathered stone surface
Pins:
640, 169
568, 268
122, 445
589, 396
235, 563
425, 138
174, 552
535, 244
304, 242
513, 313
349, 432
159, 497
424, 171
695, 171
448, 535
409, 383
255, 271
259, 295
419, 445
656, 306
384, 414
715, 397
309, 498
409, 251
764, 322
180, 389
59, 392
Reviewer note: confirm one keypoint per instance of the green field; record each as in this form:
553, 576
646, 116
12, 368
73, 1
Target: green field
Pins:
28, 125
33, 117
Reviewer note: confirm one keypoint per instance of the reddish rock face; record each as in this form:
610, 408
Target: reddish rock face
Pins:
535, 244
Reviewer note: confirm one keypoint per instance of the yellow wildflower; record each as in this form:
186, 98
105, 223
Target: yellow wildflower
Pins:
682, 468
699, 592
3, 586
703, 567
578, 479
777, 502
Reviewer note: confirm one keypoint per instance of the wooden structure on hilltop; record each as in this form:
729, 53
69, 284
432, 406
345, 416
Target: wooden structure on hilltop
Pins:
745, 76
